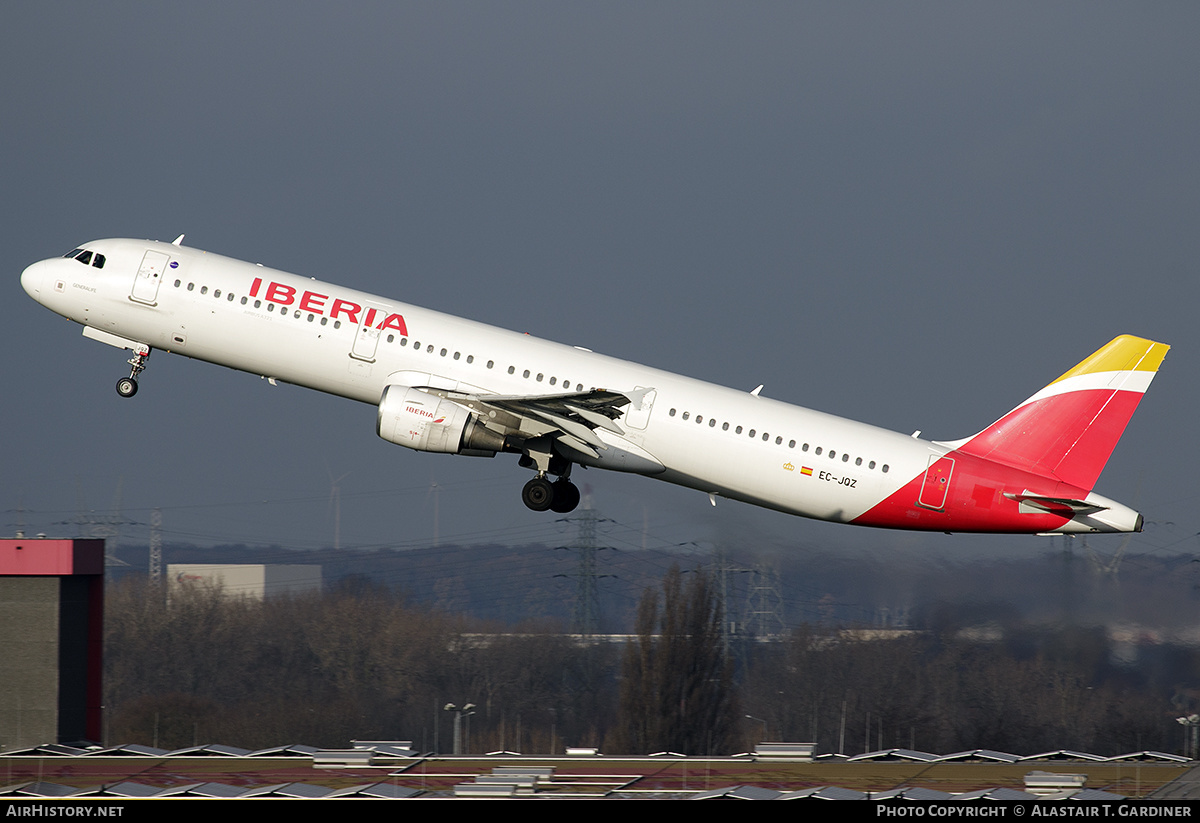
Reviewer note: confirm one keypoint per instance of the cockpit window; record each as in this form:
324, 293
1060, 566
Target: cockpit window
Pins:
86, 257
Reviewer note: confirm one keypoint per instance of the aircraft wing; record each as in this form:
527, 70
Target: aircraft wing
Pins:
569, 418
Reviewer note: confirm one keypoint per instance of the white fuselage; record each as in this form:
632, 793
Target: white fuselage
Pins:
721, 441
712, 438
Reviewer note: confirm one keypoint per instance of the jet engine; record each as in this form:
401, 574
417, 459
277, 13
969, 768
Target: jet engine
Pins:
410, 417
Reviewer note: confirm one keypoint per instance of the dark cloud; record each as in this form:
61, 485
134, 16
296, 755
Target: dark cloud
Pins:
913, 215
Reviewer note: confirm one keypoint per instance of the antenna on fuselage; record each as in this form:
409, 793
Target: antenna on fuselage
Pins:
178, 241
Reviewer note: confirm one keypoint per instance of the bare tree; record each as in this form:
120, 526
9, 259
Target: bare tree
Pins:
677, 688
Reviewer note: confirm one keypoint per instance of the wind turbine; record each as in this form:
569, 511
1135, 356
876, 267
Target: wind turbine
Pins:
335, 502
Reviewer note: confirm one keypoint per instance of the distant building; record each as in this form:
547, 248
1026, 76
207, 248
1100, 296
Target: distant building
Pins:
51, 641
253, 581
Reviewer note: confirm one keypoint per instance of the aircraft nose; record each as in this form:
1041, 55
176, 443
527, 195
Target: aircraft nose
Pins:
31, 279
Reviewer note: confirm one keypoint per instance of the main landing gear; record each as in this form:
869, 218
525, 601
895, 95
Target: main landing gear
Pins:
128, 386
540, 494
560, 496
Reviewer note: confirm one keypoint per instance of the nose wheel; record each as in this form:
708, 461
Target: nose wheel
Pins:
128, 386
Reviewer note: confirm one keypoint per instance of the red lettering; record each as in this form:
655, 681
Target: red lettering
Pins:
279, 293
311, 301
351, 310
395, 321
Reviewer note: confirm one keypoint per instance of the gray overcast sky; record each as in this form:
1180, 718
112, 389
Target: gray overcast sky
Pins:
911, 214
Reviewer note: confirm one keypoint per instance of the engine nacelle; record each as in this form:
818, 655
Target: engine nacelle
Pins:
410, 417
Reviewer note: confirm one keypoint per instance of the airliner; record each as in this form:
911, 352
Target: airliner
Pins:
444, 384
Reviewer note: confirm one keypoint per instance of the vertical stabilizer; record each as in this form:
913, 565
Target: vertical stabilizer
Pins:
1068, 430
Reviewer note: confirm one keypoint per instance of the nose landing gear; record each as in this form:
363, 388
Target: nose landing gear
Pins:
128, 386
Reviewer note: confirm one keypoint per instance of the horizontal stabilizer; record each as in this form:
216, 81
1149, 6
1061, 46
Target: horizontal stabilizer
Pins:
1062, 506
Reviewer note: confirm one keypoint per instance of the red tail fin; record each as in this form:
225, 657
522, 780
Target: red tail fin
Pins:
1068, 430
